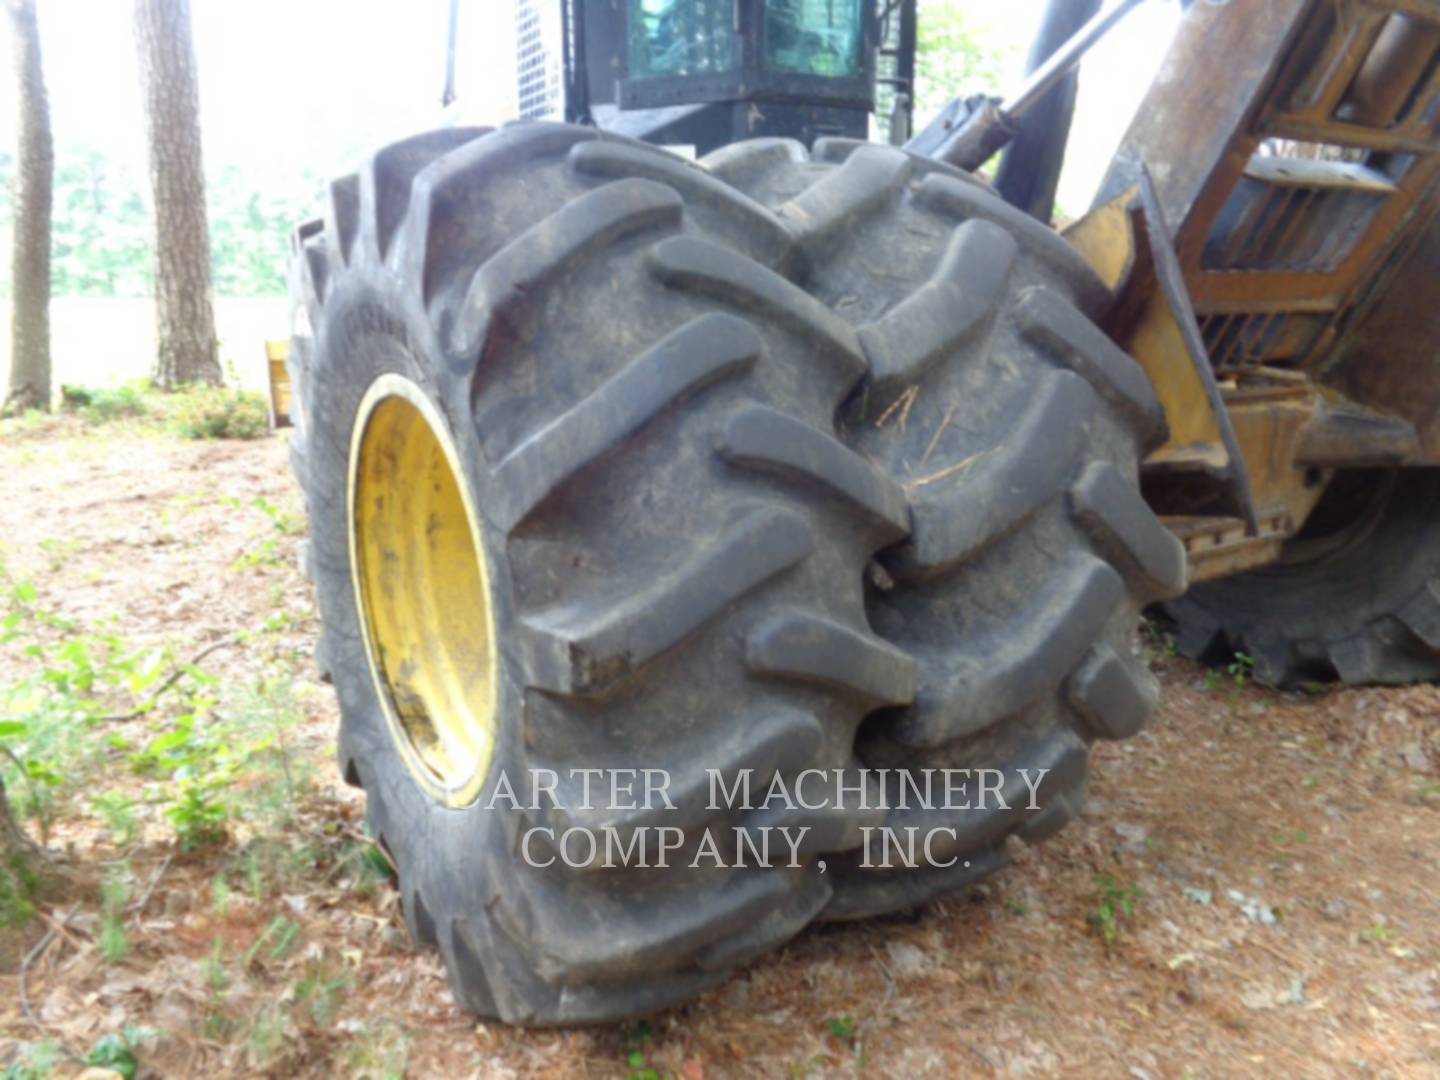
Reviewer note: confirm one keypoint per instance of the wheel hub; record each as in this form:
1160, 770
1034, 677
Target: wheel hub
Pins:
422, 590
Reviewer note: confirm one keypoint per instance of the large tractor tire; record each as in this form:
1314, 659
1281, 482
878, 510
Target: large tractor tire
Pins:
1355, 596
601, 520
573, 437
1015, 427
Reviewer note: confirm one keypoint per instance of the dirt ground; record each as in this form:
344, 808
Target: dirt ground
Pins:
1268, 862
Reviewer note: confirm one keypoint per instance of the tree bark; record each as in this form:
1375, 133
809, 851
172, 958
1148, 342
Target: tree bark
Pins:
34, 181
184, 315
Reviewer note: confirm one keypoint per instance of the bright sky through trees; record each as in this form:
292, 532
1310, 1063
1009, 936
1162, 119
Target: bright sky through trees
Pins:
287, 83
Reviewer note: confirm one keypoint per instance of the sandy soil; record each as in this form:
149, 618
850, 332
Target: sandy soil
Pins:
1280, 851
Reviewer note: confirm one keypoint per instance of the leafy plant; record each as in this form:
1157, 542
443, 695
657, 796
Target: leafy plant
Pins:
381, 1054
270, 1038
634, 1038
274, 943
116, 1052
18, 883
205, 753
639, 1067
1160, 637
35, 1062
363, 866
285, 523
67, 682
118, 810
321, 993
1241, 669
200, 812
1116, 902
211, 412
114, 895
213, 967
73, 684
101, 405
265, 553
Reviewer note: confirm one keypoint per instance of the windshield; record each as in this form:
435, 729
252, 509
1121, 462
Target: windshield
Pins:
813, 37
681, 37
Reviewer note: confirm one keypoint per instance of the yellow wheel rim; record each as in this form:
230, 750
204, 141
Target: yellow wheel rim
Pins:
422, 590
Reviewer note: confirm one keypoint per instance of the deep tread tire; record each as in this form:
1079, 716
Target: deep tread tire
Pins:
1356, 597
1014, 427
748, 440
646, 412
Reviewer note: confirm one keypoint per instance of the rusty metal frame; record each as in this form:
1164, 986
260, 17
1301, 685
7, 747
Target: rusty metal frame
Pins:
1280, 257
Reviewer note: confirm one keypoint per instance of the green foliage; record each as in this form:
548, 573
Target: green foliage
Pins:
114, 896
200, 812
269, 1038
212, 412
1241, 669
320, 992
266, 551
58, 711
103, 404
381, 1054
52, 707
1160, 636
27, 422
102, 231
116, 1052
364, 866
275, 942
841, 1027
17, 893
1115, 902
216, 977
195, 412
252, 214
204, 754
35, 1062
1378, 933
957, 52
286, 524
118, 810
634, 1038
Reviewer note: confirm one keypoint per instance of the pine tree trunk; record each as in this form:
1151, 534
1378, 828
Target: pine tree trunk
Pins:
34, 176
184, 315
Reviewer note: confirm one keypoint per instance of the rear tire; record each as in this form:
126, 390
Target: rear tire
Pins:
1354, 597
